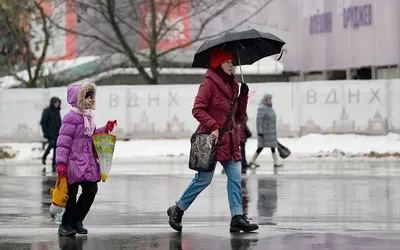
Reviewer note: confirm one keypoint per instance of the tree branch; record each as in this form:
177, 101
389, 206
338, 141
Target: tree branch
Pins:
124, 43
10, 14
45, 45
95, 37
96, 25
202, 27
133, 26
164, 18
193, 14
158, 25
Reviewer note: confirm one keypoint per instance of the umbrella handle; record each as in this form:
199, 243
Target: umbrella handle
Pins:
280, 56
240, 64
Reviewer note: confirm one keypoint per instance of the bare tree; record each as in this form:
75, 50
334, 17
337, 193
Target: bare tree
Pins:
146, 31
16, 18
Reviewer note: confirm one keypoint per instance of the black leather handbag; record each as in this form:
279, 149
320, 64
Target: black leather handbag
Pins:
283, 151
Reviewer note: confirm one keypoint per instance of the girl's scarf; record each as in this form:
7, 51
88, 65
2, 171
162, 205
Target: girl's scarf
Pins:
87, 119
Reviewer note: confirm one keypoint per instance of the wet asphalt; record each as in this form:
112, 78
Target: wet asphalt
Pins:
306, 205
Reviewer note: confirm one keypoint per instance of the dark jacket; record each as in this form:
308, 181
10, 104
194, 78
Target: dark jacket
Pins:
242, 125
210, 108
51, 120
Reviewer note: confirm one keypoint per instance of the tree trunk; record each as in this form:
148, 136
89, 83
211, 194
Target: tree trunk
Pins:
114, 24
153, 43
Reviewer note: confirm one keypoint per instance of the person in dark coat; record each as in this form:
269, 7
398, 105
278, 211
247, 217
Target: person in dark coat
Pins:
266, 130
51, 124
212, 103
244, 134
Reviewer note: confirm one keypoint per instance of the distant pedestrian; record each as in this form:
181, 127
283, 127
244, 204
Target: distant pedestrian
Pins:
266, 130
215, 96
51, 124
245, 133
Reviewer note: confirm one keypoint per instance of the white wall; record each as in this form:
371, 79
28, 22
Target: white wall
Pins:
364, 107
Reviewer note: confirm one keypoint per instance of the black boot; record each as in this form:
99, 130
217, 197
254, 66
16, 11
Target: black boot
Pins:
66, 231
80, 229
175, 217
240, 223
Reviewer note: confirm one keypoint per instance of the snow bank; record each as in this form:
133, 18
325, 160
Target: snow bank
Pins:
311, 146
7, 152
52, 67
342, 145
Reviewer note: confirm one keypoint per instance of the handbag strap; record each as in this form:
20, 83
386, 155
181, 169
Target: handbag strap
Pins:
228, 119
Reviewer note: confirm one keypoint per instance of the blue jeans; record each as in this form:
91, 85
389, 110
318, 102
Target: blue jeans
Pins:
202, 179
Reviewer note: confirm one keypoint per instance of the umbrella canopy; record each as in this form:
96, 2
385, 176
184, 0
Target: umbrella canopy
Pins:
246, 47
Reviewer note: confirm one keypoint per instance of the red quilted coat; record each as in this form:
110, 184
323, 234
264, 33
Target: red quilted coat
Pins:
210, 108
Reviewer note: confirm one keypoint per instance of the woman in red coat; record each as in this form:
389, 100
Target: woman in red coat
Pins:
215, 96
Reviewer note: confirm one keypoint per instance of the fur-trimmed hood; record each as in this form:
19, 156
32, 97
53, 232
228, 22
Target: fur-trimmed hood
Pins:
76, 94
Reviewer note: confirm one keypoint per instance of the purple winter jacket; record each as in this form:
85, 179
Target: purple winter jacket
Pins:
74, 148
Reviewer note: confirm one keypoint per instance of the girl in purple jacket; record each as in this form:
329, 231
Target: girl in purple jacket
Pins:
76, 158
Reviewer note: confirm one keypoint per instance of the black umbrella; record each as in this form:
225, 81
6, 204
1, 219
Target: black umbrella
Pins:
247, 47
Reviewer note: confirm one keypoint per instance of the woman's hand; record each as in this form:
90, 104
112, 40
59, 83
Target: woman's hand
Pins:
244, 89
214, 136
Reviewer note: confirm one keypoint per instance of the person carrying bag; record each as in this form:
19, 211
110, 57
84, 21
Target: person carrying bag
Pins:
217, 106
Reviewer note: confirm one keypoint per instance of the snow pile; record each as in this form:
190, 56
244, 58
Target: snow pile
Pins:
7, 152
351, 146
340, 154
312, 146
47, 68
24, 151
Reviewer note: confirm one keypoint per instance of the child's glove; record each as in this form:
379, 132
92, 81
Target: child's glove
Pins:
61, 170
110, 125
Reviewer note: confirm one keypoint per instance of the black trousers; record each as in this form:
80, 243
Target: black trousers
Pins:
260, 149
52, 144
243, 153
77, 211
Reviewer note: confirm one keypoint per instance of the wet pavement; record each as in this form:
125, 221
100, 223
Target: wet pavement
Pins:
308, 205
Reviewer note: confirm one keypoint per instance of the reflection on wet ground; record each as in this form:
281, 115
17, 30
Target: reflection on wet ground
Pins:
324, 207
302, 168
188, 241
